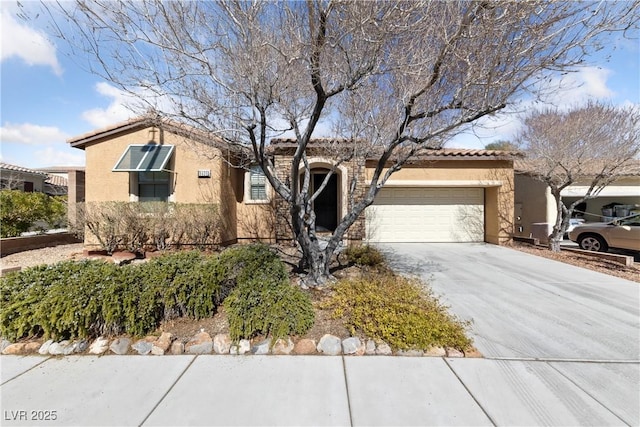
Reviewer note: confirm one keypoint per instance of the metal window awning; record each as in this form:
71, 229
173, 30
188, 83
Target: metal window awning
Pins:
144, 158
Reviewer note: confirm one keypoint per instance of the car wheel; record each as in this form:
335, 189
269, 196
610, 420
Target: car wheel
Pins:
593, 242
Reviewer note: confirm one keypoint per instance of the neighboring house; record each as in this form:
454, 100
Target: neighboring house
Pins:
443, 196
534, 203
14, 177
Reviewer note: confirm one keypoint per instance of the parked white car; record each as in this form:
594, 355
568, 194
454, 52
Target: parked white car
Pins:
622, 233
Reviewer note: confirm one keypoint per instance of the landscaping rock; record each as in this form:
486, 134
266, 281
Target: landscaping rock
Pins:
436, 352
262, 347
201, 343
44, 348
452, 352
120, 345
31, 347
283, 346
222, 343
4, 344
143, 347
177, 347
124, 257
69, 348
243, 347
162, 344
353, 345
17, 348
370, 347
383, 349
80, 346
99, 346
330, 345
58, 348
305, 346
472, 352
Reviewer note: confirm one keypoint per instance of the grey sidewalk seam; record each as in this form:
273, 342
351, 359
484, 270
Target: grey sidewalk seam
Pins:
24, 372
469, 391
346, 385
168, 391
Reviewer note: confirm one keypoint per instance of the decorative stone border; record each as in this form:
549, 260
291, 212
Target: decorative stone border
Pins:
202, 343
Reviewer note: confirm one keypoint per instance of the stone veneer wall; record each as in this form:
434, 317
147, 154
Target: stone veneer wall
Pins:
283, 217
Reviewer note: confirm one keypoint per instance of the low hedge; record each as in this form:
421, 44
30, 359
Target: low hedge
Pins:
84, 299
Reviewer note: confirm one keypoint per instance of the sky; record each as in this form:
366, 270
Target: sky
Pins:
46, 98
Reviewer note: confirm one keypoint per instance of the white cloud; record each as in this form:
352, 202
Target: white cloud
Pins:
122, 106
28, 133
50, 156
563, 92
28, 44
588, 83
119, 109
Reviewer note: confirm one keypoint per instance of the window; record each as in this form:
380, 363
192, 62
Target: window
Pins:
153, 186
256, 185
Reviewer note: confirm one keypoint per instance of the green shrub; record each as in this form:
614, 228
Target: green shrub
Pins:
364, 255
268, 307
90, 298
19, 211
244, 262
262, 301
60, 301
397, 310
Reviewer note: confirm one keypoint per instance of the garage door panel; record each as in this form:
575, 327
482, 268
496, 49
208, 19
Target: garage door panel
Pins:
427, 215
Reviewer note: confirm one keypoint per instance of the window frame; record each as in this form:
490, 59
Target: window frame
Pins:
248, 186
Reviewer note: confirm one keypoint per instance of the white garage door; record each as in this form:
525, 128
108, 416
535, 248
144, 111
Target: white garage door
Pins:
402, 214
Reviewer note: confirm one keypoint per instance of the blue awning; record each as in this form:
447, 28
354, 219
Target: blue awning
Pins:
144, 158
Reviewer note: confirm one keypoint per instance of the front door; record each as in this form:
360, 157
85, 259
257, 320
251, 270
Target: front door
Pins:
326, 205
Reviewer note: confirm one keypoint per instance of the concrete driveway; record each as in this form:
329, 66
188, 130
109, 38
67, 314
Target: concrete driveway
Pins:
524, 306
537, 321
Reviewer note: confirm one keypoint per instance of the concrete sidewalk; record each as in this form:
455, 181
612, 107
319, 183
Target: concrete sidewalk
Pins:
311, 390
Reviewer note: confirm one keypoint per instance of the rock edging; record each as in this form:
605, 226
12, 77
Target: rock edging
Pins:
203, 343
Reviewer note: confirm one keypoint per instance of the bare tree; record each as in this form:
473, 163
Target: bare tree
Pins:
389, 77
595, 144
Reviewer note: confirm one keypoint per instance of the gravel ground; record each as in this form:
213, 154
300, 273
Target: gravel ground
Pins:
585, 261
42, 256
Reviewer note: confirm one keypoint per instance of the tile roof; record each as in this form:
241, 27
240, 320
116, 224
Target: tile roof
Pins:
15, 168
150, 120
57, 180
457, 153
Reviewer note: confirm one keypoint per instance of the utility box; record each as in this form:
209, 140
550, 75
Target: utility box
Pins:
541, 231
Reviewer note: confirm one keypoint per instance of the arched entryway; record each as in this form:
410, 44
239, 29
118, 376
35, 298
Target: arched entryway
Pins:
330, 205
326, 206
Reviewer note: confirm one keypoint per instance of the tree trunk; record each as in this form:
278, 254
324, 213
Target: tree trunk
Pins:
561, 225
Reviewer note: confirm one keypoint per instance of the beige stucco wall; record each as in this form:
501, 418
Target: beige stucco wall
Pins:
495, 176
536, 201
103, 184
